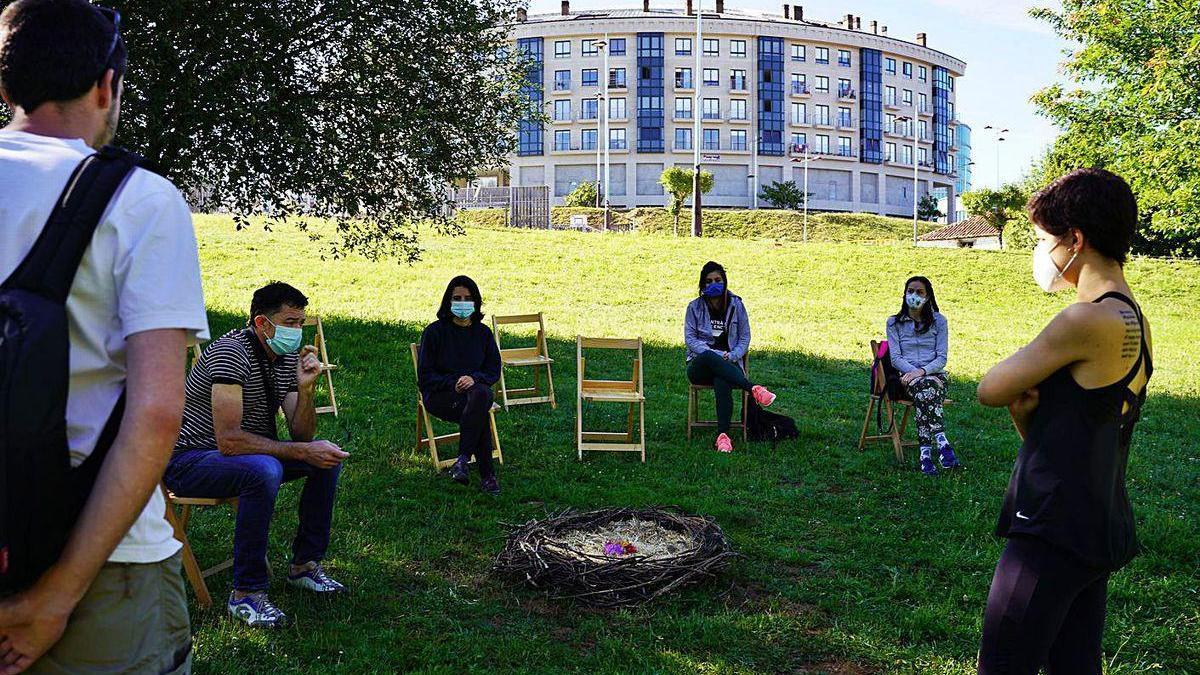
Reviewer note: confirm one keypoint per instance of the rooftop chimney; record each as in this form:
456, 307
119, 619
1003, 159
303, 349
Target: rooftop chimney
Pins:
849, 22
858, 23
875, 27
883, 30
787, 14
720, 6
566, 7
689, 7
921, 39
798, 12
645, 5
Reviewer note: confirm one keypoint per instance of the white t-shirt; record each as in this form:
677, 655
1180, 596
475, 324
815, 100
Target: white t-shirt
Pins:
140, 273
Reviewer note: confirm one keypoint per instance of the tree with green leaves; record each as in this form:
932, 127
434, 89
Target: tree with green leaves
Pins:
1132, 108
927, 208
357, 111
997, 207
584, 194
677, 181
786, 195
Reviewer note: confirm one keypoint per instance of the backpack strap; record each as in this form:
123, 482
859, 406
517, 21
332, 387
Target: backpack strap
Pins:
49, 269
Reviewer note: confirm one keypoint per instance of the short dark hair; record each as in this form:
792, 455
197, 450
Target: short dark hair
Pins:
468, 283
273, 297
55, 51
1098, 203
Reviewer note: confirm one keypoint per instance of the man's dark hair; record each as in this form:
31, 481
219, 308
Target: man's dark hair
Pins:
56, 51
710, 267
468, 283
927, 309
1099, 203
273, 297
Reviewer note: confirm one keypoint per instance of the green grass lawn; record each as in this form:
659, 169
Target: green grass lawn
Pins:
850, 563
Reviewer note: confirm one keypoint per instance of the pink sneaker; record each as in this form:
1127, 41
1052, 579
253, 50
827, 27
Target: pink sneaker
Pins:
761, 395
724, 444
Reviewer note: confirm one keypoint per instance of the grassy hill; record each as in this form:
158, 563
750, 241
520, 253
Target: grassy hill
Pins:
851, 564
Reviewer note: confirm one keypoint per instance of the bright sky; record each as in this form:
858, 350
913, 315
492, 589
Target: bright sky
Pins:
1009, 56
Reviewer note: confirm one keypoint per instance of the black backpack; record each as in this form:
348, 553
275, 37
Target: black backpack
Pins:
764, 425
41, 496
885, 383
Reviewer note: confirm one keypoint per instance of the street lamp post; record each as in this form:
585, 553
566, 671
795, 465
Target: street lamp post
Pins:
807, 158
599, 104
607, 144
998, 133
699, 46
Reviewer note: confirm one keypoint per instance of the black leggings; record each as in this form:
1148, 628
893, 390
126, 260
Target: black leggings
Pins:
1045, 610
470, 409
710, 368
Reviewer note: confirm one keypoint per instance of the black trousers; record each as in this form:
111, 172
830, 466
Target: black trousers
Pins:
470, 410
1045, 610
724, 376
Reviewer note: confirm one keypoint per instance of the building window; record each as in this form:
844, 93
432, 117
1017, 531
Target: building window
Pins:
949, 111
922, 102
562, 80
737, 80
589, 139
799, 140
889, 95
591, 77
844, 118
737, 109
589, 108
822, 115
683, 46
683, 108
711, 109
906, 154
844, 88
712, 47
822, 84
683, 78
616, 139
616, 78
922, 73
712, 139
562, 110
923, 155
562, 140
890, 124
889, 65
737, 48
588, 47
712, 77
737, 139
844, 57
562, 49
616, 46
822, 145
683, 138
529, 131
924, 127
822, 55
889, 152
616, 108
907, 97
799, 113
907, 69
844, 147
798, 52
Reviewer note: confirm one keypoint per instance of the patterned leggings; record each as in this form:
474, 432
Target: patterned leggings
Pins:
927, 395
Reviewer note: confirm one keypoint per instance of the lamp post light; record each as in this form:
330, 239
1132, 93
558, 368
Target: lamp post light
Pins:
600, 103
696, 134
807, 158
998, 133
912, 123
603, 45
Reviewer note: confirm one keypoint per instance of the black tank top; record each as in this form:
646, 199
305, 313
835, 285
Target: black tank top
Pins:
1068, 485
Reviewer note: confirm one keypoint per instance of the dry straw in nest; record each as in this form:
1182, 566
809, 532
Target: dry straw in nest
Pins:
548, 555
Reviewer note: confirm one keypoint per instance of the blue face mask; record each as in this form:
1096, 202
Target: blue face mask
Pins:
287, 339
714, 289
463, 309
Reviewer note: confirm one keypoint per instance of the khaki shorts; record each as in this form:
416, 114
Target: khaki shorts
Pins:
133, 619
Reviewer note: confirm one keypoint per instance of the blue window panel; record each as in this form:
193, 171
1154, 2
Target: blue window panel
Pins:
870, 106
941, 120
530, 134
651, 118
770, 96
616, 47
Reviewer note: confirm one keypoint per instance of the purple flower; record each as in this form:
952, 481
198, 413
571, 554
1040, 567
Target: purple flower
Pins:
612, 548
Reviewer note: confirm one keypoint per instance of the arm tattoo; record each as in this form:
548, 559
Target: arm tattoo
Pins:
1133, 334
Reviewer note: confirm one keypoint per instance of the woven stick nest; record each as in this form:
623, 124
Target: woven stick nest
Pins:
564, 554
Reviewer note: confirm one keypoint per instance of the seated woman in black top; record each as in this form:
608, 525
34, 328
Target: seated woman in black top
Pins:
1075, 394
459, 363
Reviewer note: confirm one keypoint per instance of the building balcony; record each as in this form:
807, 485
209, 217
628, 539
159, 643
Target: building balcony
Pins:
561, 89
800, 90
822, 123
738, 117
617, 84
563, 119
684, 86
925, 112
845, 122
892, 104
682, 115
845, 63
846, 94
711, 116
737, 87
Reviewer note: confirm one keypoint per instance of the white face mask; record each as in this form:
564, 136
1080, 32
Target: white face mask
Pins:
1045, 272
914, 301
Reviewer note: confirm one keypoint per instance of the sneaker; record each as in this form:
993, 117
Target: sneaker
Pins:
761, 395
458, 472
257, 611
947, 458
927, 466
313, 578
490, 485
724, 444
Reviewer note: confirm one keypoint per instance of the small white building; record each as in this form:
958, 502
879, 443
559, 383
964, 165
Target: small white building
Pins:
974, 232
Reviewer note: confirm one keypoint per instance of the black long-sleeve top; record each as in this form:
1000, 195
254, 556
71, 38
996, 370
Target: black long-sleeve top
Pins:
449, 351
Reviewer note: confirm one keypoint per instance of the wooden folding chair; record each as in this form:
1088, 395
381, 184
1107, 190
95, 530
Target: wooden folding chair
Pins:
534, 358
179, 522
630, 392
895, 433
425, 434
694, 420
327, 368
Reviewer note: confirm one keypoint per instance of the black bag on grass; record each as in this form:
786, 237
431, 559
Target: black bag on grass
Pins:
764, 425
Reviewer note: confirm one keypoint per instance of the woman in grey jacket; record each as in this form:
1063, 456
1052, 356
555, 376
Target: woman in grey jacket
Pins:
716, 331
918, 338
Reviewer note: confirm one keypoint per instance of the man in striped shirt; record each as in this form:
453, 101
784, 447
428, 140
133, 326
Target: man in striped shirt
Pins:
229, 447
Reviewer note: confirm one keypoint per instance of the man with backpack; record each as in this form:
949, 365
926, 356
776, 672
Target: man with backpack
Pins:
101, 295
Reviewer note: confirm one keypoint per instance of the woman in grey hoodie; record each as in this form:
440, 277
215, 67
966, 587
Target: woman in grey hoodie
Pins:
716, 331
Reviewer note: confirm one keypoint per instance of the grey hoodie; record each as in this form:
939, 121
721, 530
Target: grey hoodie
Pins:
697, 331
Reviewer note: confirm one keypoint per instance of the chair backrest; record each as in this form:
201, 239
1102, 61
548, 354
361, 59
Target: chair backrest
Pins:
628, 344
319, 338
539, 349
415, 348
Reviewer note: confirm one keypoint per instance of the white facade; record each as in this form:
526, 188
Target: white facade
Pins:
820, 118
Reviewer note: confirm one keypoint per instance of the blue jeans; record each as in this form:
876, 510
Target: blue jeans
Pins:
255, 481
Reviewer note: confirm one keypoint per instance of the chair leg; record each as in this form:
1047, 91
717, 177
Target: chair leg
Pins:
642, 420
433, 451
550, 386
691, 411
191, 568
579, 425
503, 390
420, 437
900, 433
862, 438
897, 441
497, 452
629, 425
745, 423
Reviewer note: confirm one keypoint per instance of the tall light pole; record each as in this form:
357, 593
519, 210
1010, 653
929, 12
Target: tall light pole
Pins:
912, 123
998, 133
599, 104
604, 120
807, 158
699, 46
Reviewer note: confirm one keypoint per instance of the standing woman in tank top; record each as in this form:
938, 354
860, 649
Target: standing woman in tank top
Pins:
1074, 394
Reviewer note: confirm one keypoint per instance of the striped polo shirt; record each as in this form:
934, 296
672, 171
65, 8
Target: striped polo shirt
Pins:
236, 358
